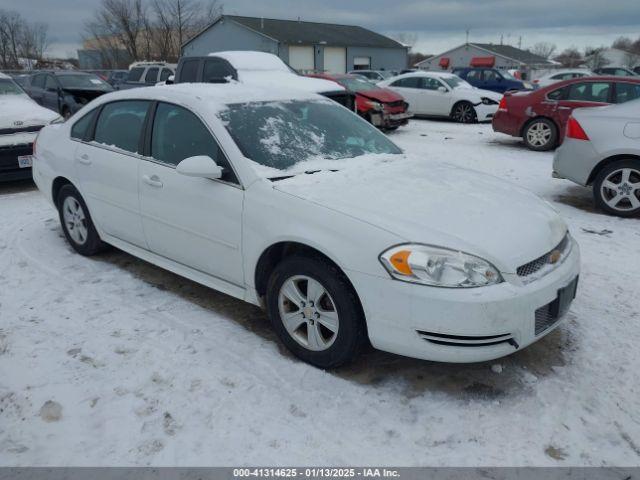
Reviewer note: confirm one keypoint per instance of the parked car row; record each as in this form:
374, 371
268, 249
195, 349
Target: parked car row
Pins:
300, 226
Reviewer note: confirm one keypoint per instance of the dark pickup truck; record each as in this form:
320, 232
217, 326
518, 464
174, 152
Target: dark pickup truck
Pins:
256, 68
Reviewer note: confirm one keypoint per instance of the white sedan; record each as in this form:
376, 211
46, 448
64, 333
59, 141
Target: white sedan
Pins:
292, 202
438, 94
20, 120
560, 75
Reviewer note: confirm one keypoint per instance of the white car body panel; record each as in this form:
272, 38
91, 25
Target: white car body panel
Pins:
440, 103
234, 225
613, 130
551, 78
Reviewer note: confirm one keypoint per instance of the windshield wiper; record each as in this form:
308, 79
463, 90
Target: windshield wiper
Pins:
307, 172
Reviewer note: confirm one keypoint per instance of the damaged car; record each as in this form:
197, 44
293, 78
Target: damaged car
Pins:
66, 92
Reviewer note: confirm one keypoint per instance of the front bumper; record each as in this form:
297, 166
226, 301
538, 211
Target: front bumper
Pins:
484, 112
389, 120
9, 168
460, 325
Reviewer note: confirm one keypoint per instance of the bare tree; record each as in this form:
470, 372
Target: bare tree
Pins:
594, 57
623, 43
544, 49
188, 17
20, 39
569, 58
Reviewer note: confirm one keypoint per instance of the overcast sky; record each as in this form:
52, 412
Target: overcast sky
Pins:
438, 24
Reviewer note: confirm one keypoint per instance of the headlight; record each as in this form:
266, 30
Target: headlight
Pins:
58, 119
375, 105
438, 267
488, 101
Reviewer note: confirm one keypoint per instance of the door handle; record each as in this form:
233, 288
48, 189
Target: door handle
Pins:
154, 181
84, 159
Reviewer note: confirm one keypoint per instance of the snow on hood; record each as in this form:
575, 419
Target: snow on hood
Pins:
20, 108
437, 204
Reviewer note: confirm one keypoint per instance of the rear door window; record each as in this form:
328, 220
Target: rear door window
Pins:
429, 83
474, 75
216, 70
411, 82
152, 75
626, 92
166, 73
51, 84
589, 92
80, 129
189, 72
120, 124
38, 81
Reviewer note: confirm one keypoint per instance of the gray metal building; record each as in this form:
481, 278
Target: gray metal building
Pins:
504, 57
306, 46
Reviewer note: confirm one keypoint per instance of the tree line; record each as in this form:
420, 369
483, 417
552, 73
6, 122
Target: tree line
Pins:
20, 40
123, 31
591, 56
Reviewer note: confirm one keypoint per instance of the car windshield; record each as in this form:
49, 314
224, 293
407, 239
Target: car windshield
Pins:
8, 87
357, 84
456, 82
284, 135
81, 81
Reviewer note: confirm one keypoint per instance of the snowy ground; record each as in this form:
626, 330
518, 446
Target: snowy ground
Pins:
139, 366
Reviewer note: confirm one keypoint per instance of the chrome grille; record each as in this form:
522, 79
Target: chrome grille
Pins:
536, 265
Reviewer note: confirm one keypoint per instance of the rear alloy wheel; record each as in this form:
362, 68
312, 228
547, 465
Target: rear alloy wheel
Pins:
76, 222
463, 112
540, 135
617, 188
315, 311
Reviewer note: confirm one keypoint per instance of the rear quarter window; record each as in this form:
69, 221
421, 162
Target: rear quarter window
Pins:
189, 71
135, 74
80, 129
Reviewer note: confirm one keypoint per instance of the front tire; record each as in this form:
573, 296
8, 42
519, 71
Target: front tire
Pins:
315, 312
540, 135
616, 189
76, 222
463, 112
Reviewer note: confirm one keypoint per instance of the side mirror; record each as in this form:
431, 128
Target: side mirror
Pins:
201, 166
442, 89
170, 80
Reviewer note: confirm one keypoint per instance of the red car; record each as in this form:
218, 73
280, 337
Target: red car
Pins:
540, 117
382, 107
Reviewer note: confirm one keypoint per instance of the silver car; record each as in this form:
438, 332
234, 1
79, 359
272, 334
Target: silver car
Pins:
602, 150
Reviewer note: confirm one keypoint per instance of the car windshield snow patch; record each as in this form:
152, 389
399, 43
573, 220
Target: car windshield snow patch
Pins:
291, 136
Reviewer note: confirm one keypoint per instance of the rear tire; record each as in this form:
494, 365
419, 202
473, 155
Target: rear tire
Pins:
315, 312
616, 189
76, 222
540, 135
463, 112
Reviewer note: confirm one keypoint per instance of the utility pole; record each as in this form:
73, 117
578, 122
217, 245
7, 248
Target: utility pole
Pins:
520, 42
467, 42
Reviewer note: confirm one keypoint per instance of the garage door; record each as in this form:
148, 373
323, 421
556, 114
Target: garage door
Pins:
335, 59
301, 58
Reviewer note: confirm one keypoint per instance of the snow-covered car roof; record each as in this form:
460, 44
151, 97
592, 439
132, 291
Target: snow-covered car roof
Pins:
215, 96
2, 75
267, 69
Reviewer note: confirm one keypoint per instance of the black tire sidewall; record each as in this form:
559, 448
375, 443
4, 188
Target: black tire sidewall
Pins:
552, 141
601, 177
474, 117
93, 244
351, 331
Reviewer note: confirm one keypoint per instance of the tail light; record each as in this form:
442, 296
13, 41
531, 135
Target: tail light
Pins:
575, 130
503, 104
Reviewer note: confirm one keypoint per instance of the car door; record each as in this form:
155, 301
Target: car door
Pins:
409, 88
107, 165
193, 221
474, 77
432, 100
51, 95
492, 80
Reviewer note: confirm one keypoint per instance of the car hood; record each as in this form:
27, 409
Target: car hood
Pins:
383, 95
437, 204
280, 79
22, 110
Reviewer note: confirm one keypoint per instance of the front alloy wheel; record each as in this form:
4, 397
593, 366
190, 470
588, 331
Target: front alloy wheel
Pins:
540, 135
464, 112
617, 188
308, 312
315, 311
